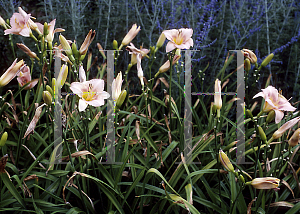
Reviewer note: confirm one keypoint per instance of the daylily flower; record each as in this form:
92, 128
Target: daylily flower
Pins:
49, 38
285, 127
136, 57
180, 38
294, 140
142, 52
24, 77
26, 50
88, 40
275, 101
32, 25
19, 25
11, 72
91, 93
130, 35
117, 87
265, 183
250, 55
225, 161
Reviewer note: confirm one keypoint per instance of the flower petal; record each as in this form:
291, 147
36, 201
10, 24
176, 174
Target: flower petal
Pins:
170, 46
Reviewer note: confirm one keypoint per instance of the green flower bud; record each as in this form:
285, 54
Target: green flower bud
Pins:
115, 45
262, 134
47, 97
225, 161
74, 50
53, 85
121, 98
161, 40
242, 178
3, 139
48, 88
267, 60
247, 64
46, 31
270, 116
249, 114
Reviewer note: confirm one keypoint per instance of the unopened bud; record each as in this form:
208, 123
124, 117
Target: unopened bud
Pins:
75, 50
267, 60
47, 97
249, 114
48, 88
115, 45
53, 85
225, 161
46, 30
270, 116
160, 40
3, 139
294, 140
247, 64
65, 44
121, 98
262, 134
62, 76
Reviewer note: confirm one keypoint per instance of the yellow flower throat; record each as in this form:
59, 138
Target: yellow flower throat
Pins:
89, 95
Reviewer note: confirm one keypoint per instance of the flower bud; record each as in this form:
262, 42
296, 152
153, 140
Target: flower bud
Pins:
262, 134
267, 60
115, 45
242, 178
247, 64
217, 95
270, 116
53, 85
65, 44
3, 139
264, 183
294, 140
46, 30
161, 40
75, 50
2, 22
166, 66
121, 98
11, 72
48, 88
130, 35
225, 161
62, 76
26, 50
250, 55
47, 97
285, 127
249, 114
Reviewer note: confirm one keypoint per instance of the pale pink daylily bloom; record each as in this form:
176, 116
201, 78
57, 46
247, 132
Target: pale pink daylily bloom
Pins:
52, 31
117, 87
31, 24
19, 25
11, 72
24, 77
136, 57
91, 92
179, 38
275, 101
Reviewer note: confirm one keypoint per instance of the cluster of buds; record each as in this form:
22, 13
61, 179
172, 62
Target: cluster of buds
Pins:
58, 84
